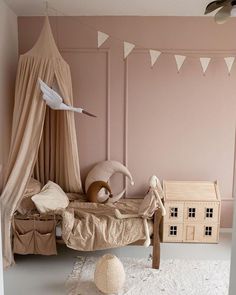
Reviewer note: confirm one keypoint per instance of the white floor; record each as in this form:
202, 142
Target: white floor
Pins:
41, 275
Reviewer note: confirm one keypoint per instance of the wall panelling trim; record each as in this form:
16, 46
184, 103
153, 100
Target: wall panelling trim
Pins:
108, 98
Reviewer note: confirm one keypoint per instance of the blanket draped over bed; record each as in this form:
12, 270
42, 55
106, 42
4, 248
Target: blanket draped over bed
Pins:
92, 226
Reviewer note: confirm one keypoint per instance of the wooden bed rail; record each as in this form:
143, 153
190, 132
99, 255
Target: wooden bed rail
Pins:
155, 239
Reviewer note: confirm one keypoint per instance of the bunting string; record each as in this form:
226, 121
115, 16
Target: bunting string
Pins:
180, 56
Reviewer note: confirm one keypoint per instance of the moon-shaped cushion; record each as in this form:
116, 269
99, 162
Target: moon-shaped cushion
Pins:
103, 172
93, 190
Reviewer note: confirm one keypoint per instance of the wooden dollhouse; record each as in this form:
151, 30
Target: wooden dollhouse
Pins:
192, 211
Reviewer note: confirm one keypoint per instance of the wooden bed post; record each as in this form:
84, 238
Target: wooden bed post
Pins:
156, 241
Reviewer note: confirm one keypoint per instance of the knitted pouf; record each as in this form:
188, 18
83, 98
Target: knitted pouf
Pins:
109, 275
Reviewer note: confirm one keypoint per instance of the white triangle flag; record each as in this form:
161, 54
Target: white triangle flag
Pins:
154, 54
205, 63
128, 47
229, 62
102, 37
179, 61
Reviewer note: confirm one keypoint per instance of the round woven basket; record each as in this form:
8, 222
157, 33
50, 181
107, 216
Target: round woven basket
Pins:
109, 275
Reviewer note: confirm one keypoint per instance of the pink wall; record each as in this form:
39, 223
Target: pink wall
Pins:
8, 64
178, 126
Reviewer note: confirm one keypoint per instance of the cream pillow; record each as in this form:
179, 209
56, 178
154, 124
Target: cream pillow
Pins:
51, 198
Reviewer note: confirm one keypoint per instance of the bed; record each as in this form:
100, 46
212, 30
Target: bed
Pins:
85, 226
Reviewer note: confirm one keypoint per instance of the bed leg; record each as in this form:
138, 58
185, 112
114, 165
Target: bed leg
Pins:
156, 243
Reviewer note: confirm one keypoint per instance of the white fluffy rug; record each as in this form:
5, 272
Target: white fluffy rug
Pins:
180, 277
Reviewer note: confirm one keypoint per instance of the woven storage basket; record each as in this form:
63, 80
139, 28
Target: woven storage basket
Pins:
109, 275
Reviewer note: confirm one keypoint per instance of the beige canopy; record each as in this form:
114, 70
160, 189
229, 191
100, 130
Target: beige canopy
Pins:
43, 141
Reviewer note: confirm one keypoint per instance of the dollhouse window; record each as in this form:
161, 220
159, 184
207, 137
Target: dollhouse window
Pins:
191, 212
209, 212
174, 212
173, 230
208, 230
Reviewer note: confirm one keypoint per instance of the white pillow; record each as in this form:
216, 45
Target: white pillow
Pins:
51, 198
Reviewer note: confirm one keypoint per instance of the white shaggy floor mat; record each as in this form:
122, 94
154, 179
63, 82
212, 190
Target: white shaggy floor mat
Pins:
180, 277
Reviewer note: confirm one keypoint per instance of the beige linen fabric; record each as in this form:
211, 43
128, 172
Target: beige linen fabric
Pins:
93, 226
34, 237
26, 204
42, 139
33, 187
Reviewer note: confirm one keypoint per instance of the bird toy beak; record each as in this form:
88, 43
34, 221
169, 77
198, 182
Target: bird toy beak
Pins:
88, 114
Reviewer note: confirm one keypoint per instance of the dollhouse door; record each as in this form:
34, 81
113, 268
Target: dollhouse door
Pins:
190, 230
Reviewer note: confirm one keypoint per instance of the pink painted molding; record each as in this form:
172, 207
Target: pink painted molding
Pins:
107, 52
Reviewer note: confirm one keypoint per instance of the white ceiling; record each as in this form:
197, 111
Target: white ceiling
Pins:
111, 7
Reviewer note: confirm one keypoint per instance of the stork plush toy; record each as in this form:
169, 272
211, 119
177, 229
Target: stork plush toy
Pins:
55, 101
151, 202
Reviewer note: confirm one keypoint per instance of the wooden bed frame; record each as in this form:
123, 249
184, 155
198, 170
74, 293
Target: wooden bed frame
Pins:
155, 239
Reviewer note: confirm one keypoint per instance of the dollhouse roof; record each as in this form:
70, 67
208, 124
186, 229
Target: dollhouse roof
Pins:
191, 191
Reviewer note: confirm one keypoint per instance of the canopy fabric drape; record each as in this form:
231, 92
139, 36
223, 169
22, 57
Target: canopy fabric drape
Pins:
44, 142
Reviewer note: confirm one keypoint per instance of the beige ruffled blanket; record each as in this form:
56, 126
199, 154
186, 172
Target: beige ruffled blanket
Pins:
91, 226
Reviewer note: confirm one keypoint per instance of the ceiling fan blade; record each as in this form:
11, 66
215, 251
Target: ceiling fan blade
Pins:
223, 14
215, 5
